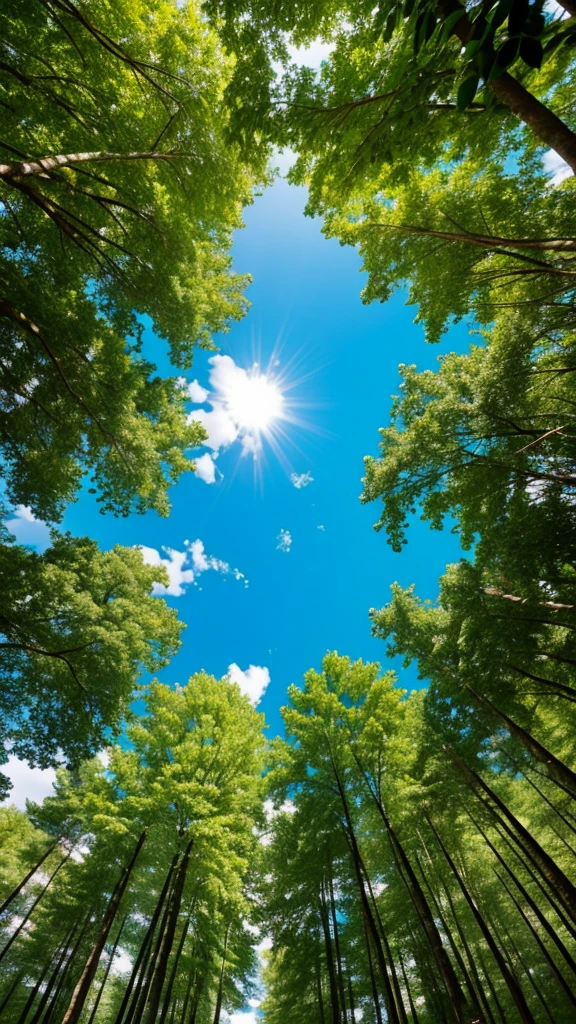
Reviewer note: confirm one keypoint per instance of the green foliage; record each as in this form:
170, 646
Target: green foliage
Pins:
78, 627
119, 196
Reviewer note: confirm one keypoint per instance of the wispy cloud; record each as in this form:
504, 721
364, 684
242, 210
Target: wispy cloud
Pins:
27, 529
301, 479
184, 567
27, 783
253, 681
284, 539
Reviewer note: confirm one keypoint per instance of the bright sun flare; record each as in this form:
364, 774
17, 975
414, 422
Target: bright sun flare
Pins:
254, 401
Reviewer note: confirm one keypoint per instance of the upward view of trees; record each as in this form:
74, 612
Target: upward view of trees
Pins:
409, 857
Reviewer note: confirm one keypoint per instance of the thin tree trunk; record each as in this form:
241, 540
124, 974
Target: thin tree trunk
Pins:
146, 942
61, 968
107, 970
29, 913
187, 997
475, 997
549, 959
552, 806
148, 965
12, 896
511, 983
334, 1004
171, 980
337, 948
161, 965
373, 985
529, 975
558, 881
34, 991
550, 931
411, 1003
357, 862
11, 991
456, 996
218, 1009
556, 769
76, 1005
319, 993
395, 983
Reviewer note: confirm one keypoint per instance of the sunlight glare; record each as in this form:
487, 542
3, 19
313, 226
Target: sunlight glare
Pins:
254, 400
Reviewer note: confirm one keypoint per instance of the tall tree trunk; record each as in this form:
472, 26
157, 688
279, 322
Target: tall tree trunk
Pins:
528, 866
191, 978
12, 896
161, 965
319, 992
334, 1003
461, 1010
341, 988
76, 1005
140, 998
172, 978
218, 1009
549, 959
544, 922
528, 974
368, 916
510, 981
31, 910
11, 990
551, 805
107, 970
59, 973
400, 1009
146, 943
555, 768
373, 985
411, 1003
558, 881
475, 997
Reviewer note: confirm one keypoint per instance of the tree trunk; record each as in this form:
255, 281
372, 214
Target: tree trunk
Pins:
161, 965
59, 973
11, 990
529, 976
368, 916
411, 1003
549, 959
218, 1009
334, 1004
107, 971
341, 988
172, 978
395, 983
555, 877
475, 997
29, 913
556, 769
80, 993
544, 123
146, 942
319, 992
461, 1010
12, 896
510, 981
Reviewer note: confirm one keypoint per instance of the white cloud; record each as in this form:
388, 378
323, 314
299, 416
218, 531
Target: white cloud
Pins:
284, 539
29, 530
184, 567
321, 527
243, 1018
301, 479
254, 1003
122, 962
252, 682
555, 166
28, 783
206, 468
174, 564
197, 393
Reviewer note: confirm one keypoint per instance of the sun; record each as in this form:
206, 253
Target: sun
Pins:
254, 400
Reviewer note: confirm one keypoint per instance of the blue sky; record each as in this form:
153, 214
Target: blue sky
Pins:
341, 358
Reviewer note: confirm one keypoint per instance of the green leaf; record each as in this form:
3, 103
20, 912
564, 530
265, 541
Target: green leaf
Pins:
505, 56
467, 91
449, 23
497, 16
